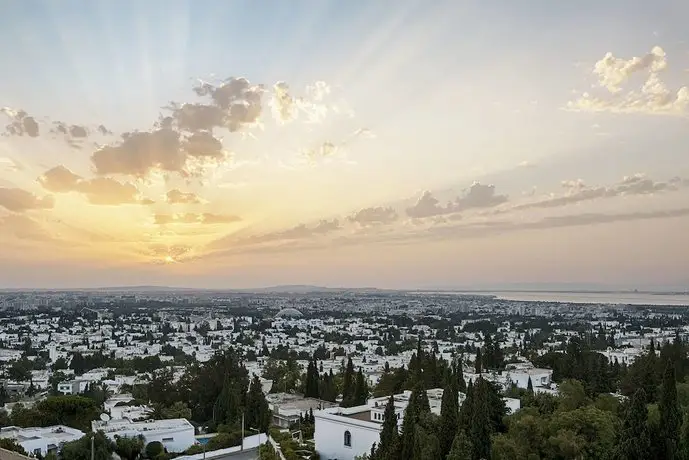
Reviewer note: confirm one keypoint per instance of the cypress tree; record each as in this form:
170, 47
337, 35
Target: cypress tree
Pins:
481, 427
418, 405
529, 386
459, 375
348, 385
477, 363
449, 419
670, 415
311, 388
360, 390
634, 442
389, 437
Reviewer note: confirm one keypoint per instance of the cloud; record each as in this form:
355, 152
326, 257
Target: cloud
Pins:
176, 196
296, 233
166, 254
210, 218
194, 218
426, 206
577, 191
107, 191
479, 196
374, 216
21, 123
324, 150
282, 103
613, 71
139, 153
10, 165
59, 180
476, 196
98, 191
234, 104
19, 200
597, 218
285, 107
652, 97
75, 135
23, 227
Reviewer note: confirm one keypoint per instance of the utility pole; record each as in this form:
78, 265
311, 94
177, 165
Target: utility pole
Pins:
93, 452
242, 431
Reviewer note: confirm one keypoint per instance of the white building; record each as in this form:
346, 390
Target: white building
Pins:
41, 440
342, 433
176, 435
72, 387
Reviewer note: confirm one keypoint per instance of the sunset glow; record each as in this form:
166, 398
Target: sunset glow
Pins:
367, 144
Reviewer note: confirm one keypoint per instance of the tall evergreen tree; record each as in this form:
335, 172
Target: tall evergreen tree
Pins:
418, 406
478, 364
311, 387
634, 442
449, 418
348, 384
388, 447
670, 415
360, 389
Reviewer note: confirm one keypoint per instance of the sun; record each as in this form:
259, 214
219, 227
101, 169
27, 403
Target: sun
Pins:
169, 260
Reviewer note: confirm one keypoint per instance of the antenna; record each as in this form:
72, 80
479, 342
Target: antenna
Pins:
105, 417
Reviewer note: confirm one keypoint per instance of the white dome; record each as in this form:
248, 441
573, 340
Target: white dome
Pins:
289, 313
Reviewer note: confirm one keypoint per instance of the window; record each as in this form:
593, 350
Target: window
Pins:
348, 439
168, 439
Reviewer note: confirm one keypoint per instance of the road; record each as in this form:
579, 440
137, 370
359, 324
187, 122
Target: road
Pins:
246, 455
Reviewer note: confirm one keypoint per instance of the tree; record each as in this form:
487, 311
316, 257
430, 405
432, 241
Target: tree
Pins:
155, 448
348, 386
81, 448
418, 406
13, 445
360, 390
477, 362
257, 411
20, 370
389, 437
461, 447
670, 415
449, 418
311, 384
59, 364
129, 448
634, 442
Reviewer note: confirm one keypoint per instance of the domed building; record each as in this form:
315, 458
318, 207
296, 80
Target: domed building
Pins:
289, 313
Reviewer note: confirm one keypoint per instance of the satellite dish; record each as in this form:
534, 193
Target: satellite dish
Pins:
105, 417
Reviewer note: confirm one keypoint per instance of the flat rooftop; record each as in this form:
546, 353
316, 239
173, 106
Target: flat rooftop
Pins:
52, 432
146, 425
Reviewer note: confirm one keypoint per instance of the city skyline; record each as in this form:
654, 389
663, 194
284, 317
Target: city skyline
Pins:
239, 145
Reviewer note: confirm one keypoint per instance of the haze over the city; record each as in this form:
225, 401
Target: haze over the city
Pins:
388, 144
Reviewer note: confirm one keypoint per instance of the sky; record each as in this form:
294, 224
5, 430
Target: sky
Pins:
392, 144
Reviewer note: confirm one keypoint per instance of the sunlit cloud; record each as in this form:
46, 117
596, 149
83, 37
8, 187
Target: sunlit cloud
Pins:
19, 200
653, 96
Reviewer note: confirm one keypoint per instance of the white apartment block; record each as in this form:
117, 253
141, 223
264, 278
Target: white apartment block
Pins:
176, 435
41, 440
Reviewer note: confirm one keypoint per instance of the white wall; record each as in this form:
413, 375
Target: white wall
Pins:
177, 440
329, 436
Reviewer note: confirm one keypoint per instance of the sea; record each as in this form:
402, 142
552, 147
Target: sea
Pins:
615, 298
